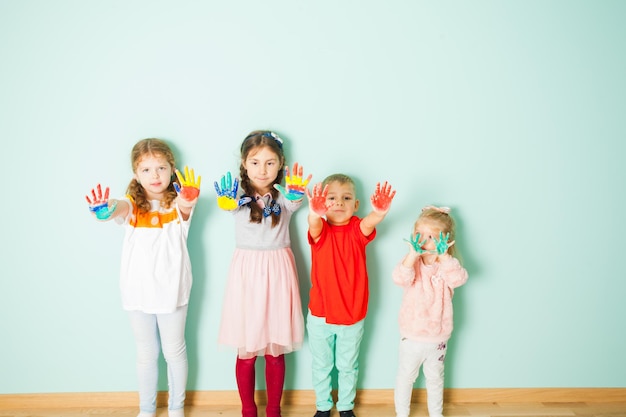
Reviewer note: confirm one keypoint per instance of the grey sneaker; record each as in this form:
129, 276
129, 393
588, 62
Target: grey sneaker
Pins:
322, 413
348, 413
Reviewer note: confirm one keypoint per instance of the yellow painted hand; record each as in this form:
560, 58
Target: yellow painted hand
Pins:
295, 184
227, 192
189, 188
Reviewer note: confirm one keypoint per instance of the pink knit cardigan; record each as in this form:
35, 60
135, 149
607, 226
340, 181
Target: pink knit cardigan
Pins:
426, 310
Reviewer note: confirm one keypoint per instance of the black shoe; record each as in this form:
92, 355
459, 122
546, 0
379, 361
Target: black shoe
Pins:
348, 413
322, 413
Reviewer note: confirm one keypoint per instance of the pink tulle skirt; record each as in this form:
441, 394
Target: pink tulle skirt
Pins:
262, 312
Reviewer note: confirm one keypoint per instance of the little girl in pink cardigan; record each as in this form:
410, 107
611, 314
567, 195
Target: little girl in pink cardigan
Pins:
429, 273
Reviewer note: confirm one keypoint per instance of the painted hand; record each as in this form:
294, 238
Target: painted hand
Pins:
295, 185
382, 197
442, 244
415, 244
317, 200
190, 187
99, 203
227, 193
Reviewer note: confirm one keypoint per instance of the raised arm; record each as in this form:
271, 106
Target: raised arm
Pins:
227, 193
295, 184
103, 208
188, 191
381, 202
317, 209
415, 243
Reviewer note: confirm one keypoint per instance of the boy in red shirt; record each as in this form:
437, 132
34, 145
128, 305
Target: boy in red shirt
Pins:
339, 285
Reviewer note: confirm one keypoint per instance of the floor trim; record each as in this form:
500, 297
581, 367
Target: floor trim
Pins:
302, 397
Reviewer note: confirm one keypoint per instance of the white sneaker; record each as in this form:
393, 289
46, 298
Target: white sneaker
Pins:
176, 413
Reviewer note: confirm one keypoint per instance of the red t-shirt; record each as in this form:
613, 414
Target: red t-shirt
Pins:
339, 282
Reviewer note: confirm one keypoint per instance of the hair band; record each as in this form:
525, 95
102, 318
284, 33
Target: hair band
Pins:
444, 210
274, 136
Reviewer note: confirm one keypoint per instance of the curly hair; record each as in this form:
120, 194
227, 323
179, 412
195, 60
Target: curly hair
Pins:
252, 143
157, 148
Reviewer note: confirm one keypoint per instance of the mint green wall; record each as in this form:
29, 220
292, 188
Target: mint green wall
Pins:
510, 112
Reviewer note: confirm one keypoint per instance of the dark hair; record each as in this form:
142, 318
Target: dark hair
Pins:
150, 147
254, 141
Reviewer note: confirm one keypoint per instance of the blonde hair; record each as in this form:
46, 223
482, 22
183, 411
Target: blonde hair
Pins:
340, 178
157, 148
443, 220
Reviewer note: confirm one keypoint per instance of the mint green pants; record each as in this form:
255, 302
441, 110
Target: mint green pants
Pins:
334, 345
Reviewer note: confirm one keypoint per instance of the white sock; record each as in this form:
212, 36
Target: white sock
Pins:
144, 414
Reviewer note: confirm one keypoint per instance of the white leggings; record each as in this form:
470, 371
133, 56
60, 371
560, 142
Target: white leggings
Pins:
412, 356
151, 332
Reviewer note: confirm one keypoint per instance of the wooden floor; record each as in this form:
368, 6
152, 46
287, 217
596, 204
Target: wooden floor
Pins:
582, 409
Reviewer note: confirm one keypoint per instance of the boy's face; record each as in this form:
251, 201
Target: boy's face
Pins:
342, 201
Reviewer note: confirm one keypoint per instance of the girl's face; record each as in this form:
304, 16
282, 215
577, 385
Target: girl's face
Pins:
262, 166
428, 231
154, 174
342, 201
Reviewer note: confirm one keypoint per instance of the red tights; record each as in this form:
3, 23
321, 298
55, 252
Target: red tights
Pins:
274, 381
